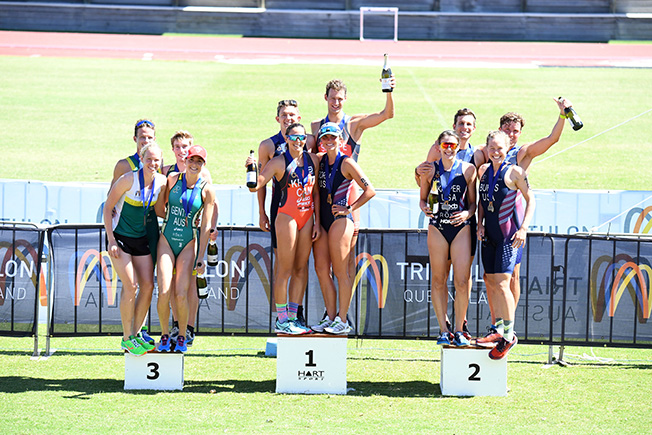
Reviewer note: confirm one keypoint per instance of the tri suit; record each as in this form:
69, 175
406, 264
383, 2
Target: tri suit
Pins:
279, 148
334, 188
503, 215
295, 189
451, 188
182, 214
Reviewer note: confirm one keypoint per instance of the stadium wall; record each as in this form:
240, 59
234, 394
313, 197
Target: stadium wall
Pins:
339, 24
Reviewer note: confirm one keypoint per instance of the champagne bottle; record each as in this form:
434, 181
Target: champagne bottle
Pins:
573, 117
385, 76
252, 173
433, 197
202, 286
211, 253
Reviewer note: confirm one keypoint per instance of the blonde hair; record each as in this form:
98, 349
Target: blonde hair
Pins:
152, 146
498, 135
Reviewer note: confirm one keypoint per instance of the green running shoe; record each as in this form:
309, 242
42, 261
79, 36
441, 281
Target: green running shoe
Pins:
145, 345
132, 346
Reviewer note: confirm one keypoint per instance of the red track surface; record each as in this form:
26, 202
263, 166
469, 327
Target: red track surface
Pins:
427, 53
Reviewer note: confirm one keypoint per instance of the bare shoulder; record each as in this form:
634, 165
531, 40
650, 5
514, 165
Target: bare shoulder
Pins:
206, 175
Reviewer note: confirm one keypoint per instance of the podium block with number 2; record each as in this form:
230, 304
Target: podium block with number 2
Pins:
311, 365
154, 371
470, 372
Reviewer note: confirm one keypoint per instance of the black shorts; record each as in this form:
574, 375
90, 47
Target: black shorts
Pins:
135, 247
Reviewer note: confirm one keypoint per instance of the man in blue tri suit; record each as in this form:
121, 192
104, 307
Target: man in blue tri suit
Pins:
352, 127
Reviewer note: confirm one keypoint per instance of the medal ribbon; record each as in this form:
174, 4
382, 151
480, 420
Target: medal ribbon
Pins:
331, 171
303, 174
187, 202
141, 181
446, 180
493, 179
136, 157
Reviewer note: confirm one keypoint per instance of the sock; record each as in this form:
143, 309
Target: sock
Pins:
282, 311
175, 324
292, 310
191, 329
500, 326
509, 330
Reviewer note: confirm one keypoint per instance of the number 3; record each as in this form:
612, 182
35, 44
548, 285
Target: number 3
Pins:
476, 370
154, 374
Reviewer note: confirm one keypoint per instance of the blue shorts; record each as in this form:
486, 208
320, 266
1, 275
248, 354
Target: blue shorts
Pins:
500, 257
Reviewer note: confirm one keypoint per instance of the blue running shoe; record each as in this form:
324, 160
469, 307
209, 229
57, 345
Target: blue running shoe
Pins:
444, 338
164, 344
181, 344
460, 339
145, 336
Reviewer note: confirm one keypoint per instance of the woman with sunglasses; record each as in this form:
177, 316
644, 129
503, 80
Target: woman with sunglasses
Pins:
502, 227
126, 213
297, 223
336, 174
453, 185
187, 209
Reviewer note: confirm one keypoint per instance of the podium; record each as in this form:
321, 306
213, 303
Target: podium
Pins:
154, 371
311, 364
468, 371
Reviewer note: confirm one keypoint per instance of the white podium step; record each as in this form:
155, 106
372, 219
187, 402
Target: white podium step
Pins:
468, 371
154, 371
311, 364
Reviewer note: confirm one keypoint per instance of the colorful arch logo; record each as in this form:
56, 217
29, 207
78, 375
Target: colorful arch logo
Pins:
368, 267
24, 252
643, 223
254, 253
92, 262
618, 275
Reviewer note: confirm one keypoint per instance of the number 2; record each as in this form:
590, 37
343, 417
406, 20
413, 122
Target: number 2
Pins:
310, 362
154, 374
476, 370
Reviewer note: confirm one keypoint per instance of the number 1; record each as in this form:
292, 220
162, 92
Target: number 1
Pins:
310, 362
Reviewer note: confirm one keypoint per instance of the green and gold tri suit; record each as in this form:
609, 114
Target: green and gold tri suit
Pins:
130, 219
181, 222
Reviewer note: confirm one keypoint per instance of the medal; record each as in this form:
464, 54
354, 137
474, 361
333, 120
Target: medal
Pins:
490, 207
141, 182
187, 202
329, 172
493, 179
445, 206
329, 199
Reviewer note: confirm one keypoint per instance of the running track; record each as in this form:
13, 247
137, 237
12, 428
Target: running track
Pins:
266, 50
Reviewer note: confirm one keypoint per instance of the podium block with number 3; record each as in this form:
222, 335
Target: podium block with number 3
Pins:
311, 365
154, 371
470, 372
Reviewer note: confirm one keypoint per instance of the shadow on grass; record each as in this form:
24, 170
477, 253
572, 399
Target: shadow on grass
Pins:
77, 388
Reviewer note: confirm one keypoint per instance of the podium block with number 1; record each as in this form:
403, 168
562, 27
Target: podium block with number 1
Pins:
311, 364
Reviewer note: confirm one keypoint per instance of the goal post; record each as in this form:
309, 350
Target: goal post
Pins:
379, 11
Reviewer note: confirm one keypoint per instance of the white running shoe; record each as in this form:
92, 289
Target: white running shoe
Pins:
323, 324
338, 327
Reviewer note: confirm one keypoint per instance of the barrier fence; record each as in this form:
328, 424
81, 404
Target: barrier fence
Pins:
575, 289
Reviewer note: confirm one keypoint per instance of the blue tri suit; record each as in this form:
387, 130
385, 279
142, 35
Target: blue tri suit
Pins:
456, 201
279, 148
498, 255
338, 192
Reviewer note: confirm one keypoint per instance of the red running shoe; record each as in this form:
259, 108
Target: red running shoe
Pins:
502, 348
491, 338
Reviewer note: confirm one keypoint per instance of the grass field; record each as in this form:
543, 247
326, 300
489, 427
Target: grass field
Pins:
72, 119
229, 388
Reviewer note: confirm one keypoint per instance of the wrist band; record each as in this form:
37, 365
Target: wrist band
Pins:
562, 116
349, 208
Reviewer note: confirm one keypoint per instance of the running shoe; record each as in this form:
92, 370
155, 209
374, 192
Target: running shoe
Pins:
465, 330
174, 333
164, 344
444, 338
338, 327
132, 346
283, 327
181, 344
325, 322
145, 345
300, 318
298, 328
502, 348
460, 339
190, 337
145, 336
492, 336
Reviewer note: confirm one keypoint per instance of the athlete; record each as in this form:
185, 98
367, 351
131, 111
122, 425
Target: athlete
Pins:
184, 237
297, 223
125, 213
449, 233
352, 126
337, 171
502, 227
181, 142
512, 124
287, 113
144, 133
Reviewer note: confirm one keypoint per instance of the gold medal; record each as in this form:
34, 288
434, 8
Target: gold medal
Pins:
490, 207
329, 199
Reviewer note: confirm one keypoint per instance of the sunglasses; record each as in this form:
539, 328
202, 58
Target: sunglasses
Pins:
296, 137
145, 122
284, 103
448, 145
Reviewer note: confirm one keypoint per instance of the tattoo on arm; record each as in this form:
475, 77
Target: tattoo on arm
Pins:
527, 182
364, 182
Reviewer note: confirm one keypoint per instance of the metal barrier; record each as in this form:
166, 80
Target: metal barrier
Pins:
581, 289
